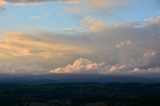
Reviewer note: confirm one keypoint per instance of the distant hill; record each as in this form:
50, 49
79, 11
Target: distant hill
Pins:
63, 78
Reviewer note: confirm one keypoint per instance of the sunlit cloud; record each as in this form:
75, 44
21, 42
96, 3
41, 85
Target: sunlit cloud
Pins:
94, 25
18, 44
107, 4
155, 19
88, 5
79, 66
73, 1
2, 4
148, 63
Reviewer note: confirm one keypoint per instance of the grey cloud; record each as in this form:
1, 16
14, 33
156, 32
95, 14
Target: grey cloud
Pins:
139, 50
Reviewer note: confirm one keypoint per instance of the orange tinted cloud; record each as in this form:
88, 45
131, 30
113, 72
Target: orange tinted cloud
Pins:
106, 4
18, 44
94, 25
79, 66
155, 19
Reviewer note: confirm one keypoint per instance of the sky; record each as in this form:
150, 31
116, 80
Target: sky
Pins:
80, 36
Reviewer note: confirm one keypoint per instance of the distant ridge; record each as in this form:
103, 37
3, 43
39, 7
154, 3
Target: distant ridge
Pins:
75, 78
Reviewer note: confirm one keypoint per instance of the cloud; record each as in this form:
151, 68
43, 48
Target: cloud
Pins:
2, 3
117, 68
35, 17
123, 43
33, 1
27, 2
97, 3
148, 63
73, 1
148, 71
151, 59
72, 30
107, 4
79, 66
122, 48
94, 25
155, 19
83, 7
40, 52
80, 6
20, 44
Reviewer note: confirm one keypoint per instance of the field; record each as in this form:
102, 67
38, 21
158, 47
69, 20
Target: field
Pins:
80, 94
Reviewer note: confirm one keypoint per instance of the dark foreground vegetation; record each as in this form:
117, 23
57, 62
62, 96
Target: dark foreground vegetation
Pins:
80, 94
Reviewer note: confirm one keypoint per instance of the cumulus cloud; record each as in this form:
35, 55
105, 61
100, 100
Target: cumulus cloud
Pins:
79, 66
148, 63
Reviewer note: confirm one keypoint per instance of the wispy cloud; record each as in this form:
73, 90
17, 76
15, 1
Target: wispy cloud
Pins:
107, 4
94, 25
35, 17
33, 1
18, 44
155, 19
89, 5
